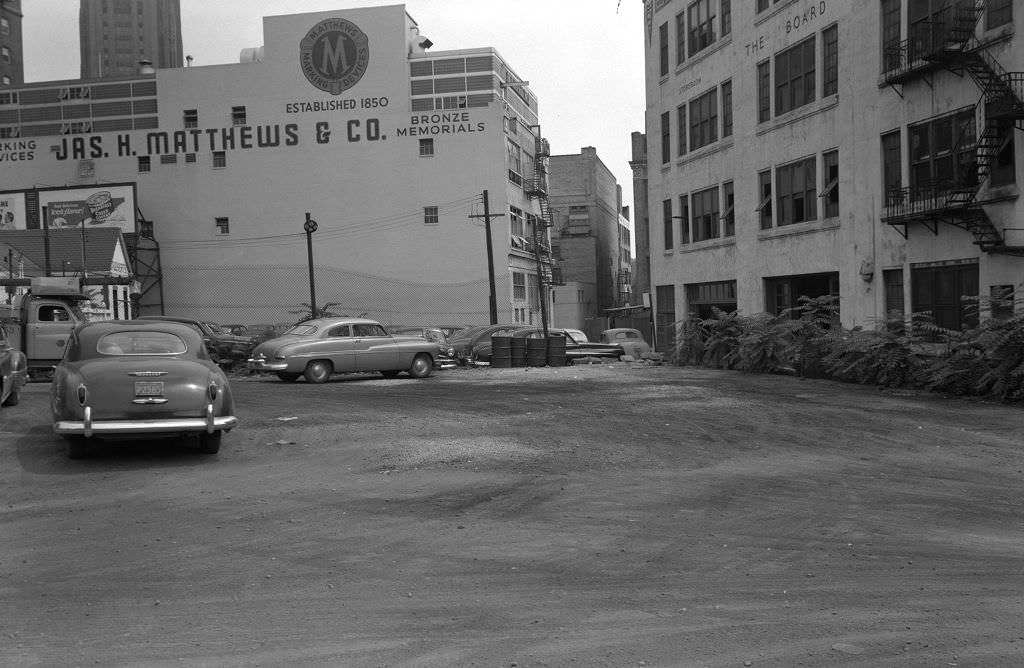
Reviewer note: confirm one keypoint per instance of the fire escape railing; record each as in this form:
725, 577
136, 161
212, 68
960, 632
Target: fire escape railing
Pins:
952, 45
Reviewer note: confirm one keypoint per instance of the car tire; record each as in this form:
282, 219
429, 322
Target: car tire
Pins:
13, 399
78, 447
317, 371
391, 373
288, 377
421, 366
209, 444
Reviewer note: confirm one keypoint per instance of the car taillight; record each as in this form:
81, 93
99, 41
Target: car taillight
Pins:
212, 390
83, 394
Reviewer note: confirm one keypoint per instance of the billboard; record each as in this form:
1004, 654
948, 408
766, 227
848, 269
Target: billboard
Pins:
107, 205
12, 211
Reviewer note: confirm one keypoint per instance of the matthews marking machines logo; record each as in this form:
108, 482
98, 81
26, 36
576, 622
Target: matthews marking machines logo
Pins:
334, 55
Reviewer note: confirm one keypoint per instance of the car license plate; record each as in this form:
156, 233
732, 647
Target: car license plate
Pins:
151, 388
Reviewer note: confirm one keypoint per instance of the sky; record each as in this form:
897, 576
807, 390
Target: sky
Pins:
583, 58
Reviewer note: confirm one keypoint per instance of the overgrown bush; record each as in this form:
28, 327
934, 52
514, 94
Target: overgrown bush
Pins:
808, 340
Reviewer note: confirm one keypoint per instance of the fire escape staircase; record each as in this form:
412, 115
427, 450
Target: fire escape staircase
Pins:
536, 187
1002, 99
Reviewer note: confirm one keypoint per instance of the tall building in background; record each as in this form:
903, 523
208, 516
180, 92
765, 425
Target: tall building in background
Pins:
592, 243
116, 35
12, 65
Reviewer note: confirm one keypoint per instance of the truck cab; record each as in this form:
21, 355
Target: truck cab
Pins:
41, 323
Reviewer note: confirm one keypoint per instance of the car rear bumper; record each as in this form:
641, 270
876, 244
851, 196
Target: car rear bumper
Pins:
269, 367
89, 427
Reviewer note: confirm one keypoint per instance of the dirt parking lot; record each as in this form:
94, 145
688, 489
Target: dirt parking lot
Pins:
607, 515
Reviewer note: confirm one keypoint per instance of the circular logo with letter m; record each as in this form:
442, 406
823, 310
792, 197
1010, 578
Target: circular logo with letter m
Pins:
334, 55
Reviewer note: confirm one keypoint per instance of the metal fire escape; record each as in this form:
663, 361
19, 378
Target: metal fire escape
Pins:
952, 45
536, 187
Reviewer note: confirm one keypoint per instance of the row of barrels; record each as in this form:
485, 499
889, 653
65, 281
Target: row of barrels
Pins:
515, 351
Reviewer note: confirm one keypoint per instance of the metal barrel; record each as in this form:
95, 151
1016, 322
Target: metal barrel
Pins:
518, 351
501, 351
556, 350
536, 352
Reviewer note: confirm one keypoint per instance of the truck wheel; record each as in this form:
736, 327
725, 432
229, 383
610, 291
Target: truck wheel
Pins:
13, 399
421, 366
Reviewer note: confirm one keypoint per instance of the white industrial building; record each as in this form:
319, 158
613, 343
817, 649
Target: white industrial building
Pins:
868, 150
345, 116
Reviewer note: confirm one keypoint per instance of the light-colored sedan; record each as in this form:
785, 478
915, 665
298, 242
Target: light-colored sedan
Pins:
317, 349
631, 340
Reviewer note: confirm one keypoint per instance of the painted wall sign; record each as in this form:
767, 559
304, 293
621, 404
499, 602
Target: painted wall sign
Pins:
334, 55
17, 150
90, 206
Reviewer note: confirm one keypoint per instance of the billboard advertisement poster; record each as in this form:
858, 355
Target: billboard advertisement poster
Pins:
12, 211
108, 205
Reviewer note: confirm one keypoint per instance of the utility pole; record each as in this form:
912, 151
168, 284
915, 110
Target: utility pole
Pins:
310, 227
493, 301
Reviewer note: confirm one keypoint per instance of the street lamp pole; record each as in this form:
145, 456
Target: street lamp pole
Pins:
310, 227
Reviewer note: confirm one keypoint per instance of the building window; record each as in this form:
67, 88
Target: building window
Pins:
1001, 301
703, 298
515, 217
681, 126
430, 216
942, 155
894, 309
892, 165
1002, 172
191, 118
426, 148
684, 219
727, 109
220, 159
223, 227
169, 159
144, 163
892, 52
948, 292
726, 17
729, 215
797, 195
663, 49
665, 316
704, 120
5, 55
515, 163
706, 214
5, 80
794, 77
680, 38
997, 13
830, 177
830, 64
764, 91
238, 116
667, 223
763, 5
666, 138
518, 286
5, 27
701, 19
764, 207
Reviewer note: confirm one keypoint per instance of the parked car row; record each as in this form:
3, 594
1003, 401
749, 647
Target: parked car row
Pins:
473, 345
161, 376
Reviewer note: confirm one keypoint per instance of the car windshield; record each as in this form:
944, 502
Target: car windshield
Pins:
140, 343
214, 327
302, 330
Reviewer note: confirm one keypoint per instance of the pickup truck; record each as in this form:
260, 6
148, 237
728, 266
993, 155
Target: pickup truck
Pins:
41, 322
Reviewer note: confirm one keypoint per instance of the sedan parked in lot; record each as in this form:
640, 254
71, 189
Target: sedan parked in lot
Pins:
13, 370
466, 341
316, 349
224, 347
575, 349
631, 340
126, 379
446, 356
